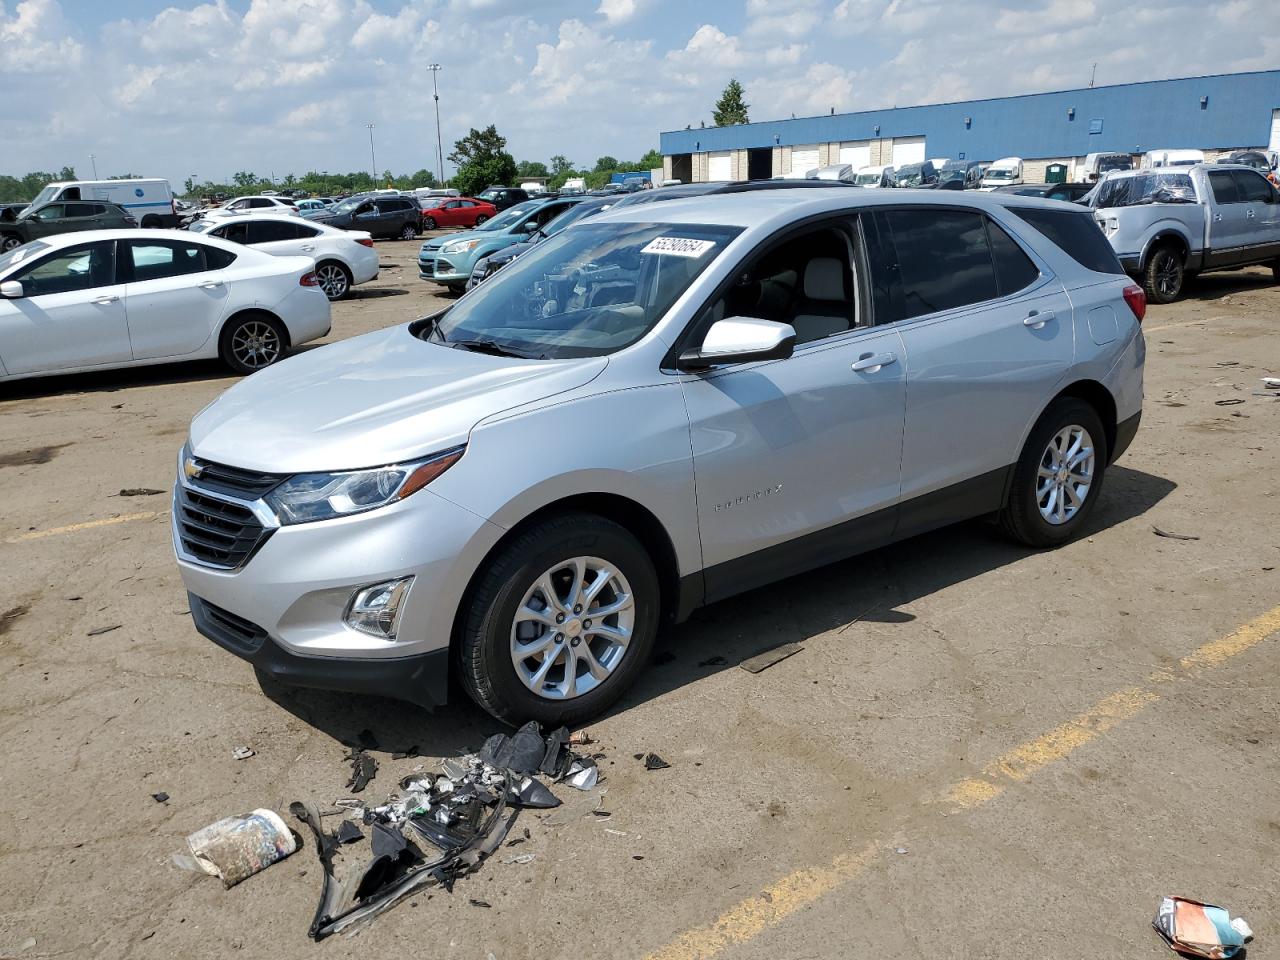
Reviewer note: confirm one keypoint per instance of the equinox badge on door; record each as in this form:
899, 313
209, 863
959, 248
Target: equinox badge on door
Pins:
748, 497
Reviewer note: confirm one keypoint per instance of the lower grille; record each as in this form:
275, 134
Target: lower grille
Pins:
224, 627
216, 532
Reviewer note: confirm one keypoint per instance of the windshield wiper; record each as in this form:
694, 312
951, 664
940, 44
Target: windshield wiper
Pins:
495, 349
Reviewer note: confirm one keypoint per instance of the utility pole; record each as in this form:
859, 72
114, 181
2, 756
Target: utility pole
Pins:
94, 160
435, 69
1093, 75
373, 160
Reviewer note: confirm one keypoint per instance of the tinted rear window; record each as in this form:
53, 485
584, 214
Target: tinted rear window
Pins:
1076, 234
943, 258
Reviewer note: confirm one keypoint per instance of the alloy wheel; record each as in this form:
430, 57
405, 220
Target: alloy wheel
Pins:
406, 232
1065, 475
572, 628
1167, 274
481, 219
333, 280
256, 344
10, 243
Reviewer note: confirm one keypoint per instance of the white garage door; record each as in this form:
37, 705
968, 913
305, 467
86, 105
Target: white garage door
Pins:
908, 150
1275, 131
804, 158
856, 153
720, 166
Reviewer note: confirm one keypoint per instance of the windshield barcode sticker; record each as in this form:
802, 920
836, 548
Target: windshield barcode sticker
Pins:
679, 246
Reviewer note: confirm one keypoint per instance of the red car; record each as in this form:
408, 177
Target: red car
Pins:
455, 212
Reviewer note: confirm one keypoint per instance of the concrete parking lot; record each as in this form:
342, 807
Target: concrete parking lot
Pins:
981, 751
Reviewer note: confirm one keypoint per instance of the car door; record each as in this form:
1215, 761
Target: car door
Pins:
1229, 223
1262, 213
987, 335
279, 238
46, 221
82, 216
797, 461
71, 314
450, 214
176, 293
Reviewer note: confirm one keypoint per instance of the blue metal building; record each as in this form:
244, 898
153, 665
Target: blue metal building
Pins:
1213, 113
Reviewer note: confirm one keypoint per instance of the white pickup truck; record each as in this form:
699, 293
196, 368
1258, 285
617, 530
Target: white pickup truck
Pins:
1165, 224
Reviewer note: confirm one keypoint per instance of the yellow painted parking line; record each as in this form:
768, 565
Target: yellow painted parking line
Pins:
86, 525
746, 920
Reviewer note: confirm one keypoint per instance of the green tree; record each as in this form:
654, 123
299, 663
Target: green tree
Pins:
482, 160
67, 173
244, 179
561, 166
11, 190
188, 187
532, 168
423, 178
651, 160
606, 164
731, 108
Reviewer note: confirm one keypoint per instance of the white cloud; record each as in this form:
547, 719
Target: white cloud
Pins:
617, 11
36, 39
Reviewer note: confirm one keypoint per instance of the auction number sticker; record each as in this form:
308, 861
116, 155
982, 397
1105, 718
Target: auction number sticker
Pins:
679, 246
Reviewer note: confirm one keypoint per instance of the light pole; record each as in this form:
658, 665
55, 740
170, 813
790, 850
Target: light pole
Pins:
373, 160
94, 160
435, 69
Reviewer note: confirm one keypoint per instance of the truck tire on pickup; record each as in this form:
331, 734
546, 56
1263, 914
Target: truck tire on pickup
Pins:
1275, 270
1163, 276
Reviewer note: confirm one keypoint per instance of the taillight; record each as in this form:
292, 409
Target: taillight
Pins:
130, 221
311, 280
365, 241
1137, 300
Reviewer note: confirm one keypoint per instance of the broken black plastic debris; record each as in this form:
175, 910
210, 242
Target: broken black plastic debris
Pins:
480, 903
363, 769
522, 753
535, 795
654, 762
405, 754
348, 832
715, 661
160, 797
556, 757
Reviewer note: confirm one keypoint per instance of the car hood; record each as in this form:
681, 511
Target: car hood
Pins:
381, 398
503, 237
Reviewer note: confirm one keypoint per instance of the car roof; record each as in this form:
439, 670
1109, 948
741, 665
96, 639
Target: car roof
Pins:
59, 240
749, 208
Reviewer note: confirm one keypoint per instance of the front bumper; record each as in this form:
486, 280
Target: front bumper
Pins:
440, 269
422, 679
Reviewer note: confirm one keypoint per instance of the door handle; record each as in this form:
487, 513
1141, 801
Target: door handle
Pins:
1217, 218
308, 247
105, 298
211, 285
1037, 319
870, 363
1250, 214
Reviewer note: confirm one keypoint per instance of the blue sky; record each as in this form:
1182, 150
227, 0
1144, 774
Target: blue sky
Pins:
174, 88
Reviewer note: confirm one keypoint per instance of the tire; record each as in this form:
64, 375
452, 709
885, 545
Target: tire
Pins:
335, 279
480, 219
510, 582
150, 222
457, 289
408, 232
1023, 517
243, 357
428, 223
9, 242
1163, 276
1275, 270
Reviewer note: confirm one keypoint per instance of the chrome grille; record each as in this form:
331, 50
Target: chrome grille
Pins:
215, 531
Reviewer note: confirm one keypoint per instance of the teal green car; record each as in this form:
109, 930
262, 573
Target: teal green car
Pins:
448, 260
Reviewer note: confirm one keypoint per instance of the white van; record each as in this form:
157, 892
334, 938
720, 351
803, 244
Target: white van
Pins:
1002, 173
837, 171
574, 185
149, 201
423, 193
1096, 165
876, 177
1172, 158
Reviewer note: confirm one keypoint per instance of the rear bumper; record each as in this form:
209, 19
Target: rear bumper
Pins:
422, 679
1126, 430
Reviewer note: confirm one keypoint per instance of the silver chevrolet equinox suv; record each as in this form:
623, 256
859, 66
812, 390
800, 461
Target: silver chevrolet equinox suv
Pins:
661, 407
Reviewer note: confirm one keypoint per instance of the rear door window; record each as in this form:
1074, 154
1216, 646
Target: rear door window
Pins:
1224, 187
161, 259
1076, 234
943, 259
77, 210
1253, 187
235, 232
270, 231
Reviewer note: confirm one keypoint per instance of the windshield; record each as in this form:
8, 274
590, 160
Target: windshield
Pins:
44, 196
1107, 164
200, 226
488, 194
910, 175
348, 205
948, 174
1145, 188
429, 203
867, 178
586, 293
998, 173
509, 216
18, 254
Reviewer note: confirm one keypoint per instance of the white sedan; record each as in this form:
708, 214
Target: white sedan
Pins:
117, 298
254, 206
343, 258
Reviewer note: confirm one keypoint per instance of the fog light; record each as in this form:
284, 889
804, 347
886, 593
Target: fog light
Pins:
376, 610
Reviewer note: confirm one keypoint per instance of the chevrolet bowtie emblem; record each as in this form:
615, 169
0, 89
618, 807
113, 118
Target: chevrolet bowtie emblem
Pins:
191, 469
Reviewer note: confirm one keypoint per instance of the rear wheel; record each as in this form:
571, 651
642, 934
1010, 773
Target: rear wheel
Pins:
1058, 477
9, 242
407, 232
560, 622
428, 223
1164, 274
335, 279
150, 221
481, 219
252, 341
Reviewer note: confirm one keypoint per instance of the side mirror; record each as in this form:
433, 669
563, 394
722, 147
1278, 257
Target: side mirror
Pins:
529, 226
11, 290
740, 340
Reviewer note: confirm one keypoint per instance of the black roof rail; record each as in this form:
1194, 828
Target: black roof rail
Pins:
751, 186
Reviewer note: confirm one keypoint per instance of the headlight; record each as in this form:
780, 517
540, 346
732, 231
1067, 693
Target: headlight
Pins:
460, 246
323, 496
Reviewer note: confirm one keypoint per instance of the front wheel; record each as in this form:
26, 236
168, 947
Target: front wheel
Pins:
407, 232
10, 242
1058, 477
481, 219
1164, 274
251, 342
457, 289
560, 622
428, 223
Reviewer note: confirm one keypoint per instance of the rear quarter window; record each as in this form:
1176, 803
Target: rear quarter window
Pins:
1076, 234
